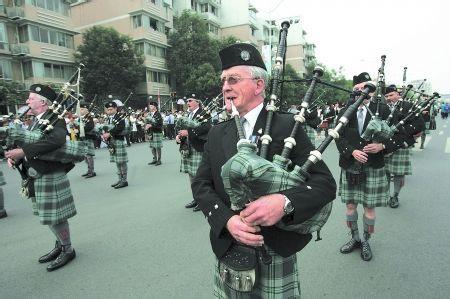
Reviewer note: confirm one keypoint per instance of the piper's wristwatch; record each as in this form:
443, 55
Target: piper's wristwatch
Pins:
288, 207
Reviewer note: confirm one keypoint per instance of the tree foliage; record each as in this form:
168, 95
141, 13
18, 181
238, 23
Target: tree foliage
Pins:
11, 93
112, 63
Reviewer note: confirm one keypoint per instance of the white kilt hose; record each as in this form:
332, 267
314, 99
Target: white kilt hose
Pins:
374, 192
53, 201
89, 143
277, 280
120, 156
399, 163
156, 140
190, 164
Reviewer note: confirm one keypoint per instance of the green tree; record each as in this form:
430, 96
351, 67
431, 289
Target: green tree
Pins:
112, 63
11, 93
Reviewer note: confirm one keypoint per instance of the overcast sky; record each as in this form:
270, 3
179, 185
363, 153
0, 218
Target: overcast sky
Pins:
355, 33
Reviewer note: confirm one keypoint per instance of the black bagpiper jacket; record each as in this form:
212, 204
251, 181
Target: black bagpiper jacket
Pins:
197, 136
307, 199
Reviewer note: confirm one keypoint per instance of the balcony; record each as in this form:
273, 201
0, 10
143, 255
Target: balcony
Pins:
146, 5
155, 62
142, 33
216, 3
15, 13
210, 17
153, 88
20, 50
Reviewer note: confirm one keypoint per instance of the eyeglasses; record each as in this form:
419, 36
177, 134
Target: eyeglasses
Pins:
231, 80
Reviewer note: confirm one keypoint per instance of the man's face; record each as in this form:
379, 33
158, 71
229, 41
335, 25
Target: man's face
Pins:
239, 87
360, 87
37, 106
392, 97
111, 110
83, 111
192, 104
151, 108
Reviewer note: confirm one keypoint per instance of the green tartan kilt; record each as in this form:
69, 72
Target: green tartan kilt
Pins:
53, 201
311, 133
120, 156
90, 147
277, 280
156, 140
2, 179
399, 163
373, 193
427, 127
190, 164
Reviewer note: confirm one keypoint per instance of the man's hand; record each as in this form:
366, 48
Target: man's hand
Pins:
106, 136
360, 156
373, 148
16, 154
265, 211
183, 133
244, 232
148, 126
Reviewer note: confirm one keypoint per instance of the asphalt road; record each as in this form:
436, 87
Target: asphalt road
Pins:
140, 241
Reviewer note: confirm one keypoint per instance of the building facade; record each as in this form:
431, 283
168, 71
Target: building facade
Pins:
148, 22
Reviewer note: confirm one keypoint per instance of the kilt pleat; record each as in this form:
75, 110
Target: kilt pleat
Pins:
156, 140
53, 201
373, 193
120, 156
277, 280
311, 133
190, 164
399, 163
90, 147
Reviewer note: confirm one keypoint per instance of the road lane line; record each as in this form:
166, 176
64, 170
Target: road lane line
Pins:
447, 146
441, 132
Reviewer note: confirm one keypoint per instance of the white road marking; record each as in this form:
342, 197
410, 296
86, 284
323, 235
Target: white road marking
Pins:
441, 132
447, 146
444, 126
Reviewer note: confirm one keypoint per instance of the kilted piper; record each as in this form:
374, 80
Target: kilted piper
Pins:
87, 136
398, 164
114, 137
244, 78
48, 185
363, 176
192, 141
154, 127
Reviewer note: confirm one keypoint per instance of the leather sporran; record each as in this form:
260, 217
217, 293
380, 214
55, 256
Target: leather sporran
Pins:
238, 268
355, 174
185, 148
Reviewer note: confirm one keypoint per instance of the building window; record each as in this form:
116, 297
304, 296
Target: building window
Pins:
59, 6
204, 7
27, 69
214, 10
194, 5
213, 29
3, 37
157, 77
253, 31
5, 69
137, 21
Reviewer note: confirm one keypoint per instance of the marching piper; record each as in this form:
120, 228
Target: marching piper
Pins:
88, 138
192, 141
154, 128
398, 164
47, 182
114, 136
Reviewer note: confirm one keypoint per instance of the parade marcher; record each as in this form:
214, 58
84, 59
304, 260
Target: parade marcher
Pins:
115, 139
192, 141
88, 138
429, 115
170, 125
154, 128
363, 176
398, 164
3, 213
48, 185
244, 78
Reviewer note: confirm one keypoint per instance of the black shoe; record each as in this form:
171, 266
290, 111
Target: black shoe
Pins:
393, 203
91, 175
86, 174
115, 184
421, 147
3, 214
121, 185
62, 259
366, 252
350, 246
151, 163
158, 163
53, 254
196, 208
191, 204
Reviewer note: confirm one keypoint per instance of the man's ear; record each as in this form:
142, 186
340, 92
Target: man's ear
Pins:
260, 86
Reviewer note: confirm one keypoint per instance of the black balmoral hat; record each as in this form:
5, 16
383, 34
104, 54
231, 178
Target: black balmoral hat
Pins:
43, 90
241, 54
110, 104
391, 88
153, 104
84, 105
363, 77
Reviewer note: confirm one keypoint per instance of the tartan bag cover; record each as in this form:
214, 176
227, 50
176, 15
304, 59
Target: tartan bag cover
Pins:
248, 176
185, 122
377, 130
72, 151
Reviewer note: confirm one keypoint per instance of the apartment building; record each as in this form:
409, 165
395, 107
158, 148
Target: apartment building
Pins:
148, 22
209, 10
36, 41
